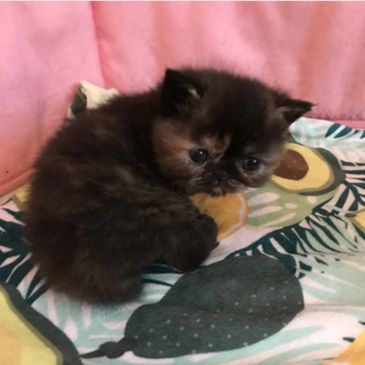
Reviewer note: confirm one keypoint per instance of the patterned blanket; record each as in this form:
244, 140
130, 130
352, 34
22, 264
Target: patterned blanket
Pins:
286, 284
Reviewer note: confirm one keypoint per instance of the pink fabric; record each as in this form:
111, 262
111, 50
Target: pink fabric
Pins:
45, 50
314, 50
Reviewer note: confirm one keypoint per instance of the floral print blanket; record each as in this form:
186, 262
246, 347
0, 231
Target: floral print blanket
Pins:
286, 284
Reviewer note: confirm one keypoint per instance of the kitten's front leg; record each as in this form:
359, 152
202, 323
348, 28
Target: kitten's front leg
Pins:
190, 241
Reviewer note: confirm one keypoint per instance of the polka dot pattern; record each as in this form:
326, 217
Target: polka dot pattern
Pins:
207, 311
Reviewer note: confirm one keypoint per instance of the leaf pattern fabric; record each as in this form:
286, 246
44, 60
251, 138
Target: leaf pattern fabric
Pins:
316, 237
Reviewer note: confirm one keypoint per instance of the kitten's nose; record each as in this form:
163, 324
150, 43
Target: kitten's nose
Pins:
221, 176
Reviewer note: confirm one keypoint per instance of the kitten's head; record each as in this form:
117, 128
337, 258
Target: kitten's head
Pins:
219, 133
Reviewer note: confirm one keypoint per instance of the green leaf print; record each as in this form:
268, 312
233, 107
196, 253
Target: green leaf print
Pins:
16, 267
311, 244
216, 308
271, 206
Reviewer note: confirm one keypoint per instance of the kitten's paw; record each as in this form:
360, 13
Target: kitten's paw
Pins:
192, 244
209, 229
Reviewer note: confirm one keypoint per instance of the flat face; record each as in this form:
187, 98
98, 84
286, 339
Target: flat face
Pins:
213, 161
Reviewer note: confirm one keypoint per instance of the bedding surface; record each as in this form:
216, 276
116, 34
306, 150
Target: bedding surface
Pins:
284, 286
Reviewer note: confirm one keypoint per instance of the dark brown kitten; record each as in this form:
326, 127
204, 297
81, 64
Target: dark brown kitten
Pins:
110, 191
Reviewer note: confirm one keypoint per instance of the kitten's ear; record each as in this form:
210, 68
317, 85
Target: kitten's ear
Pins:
180, 91
292, 109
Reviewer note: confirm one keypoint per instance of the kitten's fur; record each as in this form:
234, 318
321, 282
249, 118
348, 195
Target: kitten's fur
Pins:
110, 191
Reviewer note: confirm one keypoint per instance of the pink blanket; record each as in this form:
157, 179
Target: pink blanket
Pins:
314, 50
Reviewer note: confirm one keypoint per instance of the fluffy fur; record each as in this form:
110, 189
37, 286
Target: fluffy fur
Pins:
109, 195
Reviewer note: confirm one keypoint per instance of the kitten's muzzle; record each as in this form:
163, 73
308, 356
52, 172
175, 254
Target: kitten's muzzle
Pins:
220, 177
219, 187
217, 191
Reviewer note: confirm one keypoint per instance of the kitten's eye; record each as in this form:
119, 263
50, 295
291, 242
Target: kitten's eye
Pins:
198, 155
251, 164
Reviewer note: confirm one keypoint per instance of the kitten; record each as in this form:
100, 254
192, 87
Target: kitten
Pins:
109, 195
